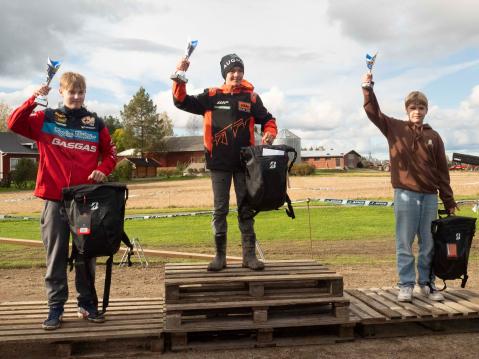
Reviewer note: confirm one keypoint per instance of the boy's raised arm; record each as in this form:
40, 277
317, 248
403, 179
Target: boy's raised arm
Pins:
371, 105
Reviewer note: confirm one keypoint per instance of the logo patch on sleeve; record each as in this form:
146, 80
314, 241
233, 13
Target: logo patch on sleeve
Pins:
244, 106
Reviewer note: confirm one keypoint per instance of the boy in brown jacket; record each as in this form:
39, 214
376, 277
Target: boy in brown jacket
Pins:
418, 172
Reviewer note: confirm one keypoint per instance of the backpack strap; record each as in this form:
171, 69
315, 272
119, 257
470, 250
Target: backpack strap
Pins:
289, 210
464, 280
106, 290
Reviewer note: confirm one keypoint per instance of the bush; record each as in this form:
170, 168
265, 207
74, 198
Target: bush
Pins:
25, 171
302, 169
123, 171
168, 172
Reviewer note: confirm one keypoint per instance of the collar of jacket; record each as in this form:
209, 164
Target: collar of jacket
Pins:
75, 113
245, 86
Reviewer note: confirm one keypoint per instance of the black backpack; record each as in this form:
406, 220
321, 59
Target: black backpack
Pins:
266, 170
96, 214
452, 241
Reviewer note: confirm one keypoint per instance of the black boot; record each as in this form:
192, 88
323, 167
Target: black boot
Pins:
249, 253
219, 262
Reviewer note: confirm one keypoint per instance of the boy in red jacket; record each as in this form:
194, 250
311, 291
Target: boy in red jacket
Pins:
71, 141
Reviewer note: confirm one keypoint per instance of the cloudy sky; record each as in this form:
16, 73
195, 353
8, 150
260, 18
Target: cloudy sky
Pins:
305, 58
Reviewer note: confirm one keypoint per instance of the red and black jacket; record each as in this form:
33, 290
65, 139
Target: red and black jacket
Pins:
70, 143
229, 118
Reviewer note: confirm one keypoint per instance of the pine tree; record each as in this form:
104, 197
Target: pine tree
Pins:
141, 121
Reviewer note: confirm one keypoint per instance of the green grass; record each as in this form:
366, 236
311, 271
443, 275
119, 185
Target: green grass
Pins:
280, 235
327, 223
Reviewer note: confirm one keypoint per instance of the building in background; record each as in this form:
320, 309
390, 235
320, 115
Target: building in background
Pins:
13, 147
332, 159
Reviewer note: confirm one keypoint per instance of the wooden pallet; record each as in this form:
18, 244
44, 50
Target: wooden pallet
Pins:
382, 315
280, 279
287, 294
126, 319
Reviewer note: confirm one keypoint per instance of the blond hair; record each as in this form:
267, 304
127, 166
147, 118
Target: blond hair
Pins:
417, 98
72, 80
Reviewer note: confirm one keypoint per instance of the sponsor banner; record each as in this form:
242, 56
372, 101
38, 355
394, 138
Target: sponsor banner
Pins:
346, 202
70, 133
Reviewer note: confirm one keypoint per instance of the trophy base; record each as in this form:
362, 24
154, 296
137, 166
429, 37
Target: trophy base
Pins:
41, 101
178, 77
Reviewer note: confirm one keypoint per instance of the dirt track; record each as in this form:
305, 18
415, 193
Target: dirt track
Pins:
197, 192
27, 284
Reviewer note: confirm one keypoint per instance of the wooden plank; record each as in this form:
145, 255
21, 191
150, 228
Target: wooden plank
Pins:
271, 263
113, 302
464, 302
81, 325
222, 274
57, 335
391, 304
377, 306
45, 310
252, 278
417, 310
108, 314
364, 307
71, 318
466, 294
213, 324
435, 308
254, 303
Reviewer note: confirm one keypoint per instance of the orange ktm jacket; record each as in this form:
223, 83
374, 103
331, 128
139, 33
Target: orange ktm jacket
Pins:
229, 119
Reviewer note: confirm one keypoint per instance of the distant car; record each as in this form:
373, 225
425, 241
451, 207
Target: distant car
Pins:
457, 168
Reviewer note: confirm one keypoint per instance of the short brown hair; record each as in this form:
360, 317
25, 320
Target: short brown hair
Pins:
72, 80
416, 97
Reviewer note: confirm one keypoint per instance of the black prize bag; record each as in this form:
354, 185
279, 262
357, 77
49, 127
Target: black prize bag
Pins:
452, 242
266, 171
96, 214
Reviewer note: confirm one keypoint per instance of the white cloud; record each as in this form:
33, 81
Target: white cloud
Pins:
305, 59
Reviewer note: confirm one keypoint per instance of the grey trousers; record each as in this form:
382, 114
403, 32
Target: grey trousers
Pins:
55, 233
221, 181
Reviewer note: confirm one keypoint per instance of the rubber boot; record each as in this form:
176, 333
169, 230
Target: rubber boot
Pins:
249, 253
219, 262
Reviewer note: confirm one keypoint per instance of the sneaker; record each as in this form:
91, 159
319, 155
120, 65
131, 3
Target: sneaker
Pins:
90, 313
433, 294
54, 320
405, 294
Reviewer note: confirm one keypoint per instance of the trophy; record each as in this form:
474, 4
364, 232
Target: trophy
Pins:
370, 60
179, 75
52, 68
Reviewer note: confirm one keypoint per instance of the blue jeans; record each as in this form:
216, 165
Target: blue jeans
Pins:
414, 213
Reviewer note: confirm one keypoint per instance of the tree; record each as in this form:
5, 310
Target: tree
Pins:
194, 124
25, 170
146, 126
112, 123
5, 111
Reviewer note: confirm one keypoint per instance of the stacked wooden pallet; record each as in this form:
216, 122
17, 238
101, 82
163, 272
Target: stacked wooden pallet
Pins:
287, 294
126, 319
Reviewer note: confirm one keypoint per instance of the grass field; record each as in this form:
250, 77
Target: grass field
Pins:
342, 234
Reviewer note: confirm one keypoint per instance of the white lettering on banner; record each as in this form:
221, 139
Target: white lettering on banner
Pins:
73, 145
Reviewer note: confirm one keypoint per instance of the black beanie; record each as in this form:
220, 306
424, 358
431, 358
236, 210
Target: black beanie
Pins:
228, 62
